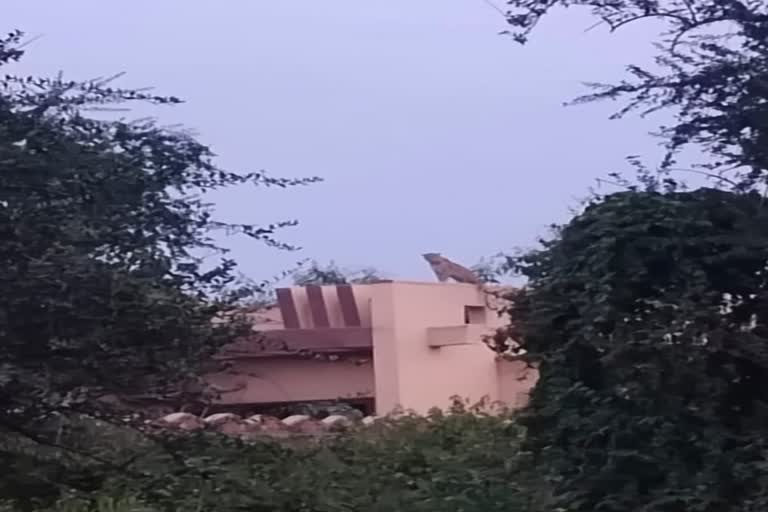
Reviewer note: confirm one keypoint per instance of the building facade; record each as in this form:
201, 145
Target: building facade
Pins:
384, 346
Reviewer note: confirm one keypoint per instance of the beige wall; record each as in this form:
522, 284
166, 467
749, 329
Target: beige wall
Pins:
288, 380
411, 374
515, 379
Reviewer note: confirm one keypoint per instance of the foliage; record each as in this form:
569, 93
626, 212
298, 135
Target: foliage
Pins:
103, 224
713, 58
318, 274
492, 269
647, 315
442, 462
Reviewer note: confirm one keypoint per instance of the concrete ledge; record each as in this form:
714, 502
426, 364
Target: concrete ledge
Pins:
466, 334
317, 339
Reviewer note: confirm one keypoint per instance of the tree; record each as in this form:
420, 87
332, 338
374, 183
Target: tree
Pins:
102, 223
448, 463
318, 274
714, 57
646, 313
647, 316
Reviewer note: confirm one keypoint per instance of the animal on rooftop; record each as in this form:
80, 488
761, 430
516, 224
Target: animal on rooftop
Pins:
446, 269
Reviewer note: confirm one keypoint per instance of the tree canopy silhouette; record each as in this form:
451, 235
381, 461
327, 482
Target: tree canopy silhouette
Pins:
103, 224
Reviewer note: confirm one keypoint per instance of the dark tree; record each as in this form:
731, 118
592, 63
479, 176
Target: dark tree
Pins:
102, 227
648, 318
647, 313
714, 57
318, 274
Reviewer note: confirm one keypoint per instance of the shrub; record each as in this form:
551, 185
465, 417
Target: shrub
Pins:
441, 462
647, 315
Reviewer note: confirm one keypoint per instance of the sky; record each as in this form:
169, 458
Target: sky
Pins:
433, 133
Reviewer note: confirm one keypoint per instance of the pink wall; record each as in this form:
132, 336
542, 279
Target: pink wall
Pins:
290, 379
423, 353
515, 380
409, 372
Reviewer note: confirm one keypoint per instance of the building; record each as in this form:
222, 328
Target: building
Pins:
382, 346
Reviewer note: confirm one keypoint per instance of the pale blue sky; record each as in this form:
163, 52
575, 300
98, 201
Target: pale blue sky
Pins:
410, 109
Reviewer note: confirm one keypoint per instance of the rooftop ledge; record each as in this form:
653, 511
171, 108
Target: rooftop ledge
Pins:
466, 334
319, 339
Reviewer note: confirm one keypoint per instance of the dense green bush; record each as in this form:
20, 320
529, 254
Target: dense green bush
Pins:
648, 317
443, 462
648, 312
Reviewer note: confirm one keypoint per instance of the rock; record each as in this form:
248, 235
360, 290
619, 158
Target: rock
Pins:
342, 409
182, 421
255, 419
304, 424
233, 428
310, 426
223, 417
337, 422
271, 424
296, 419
